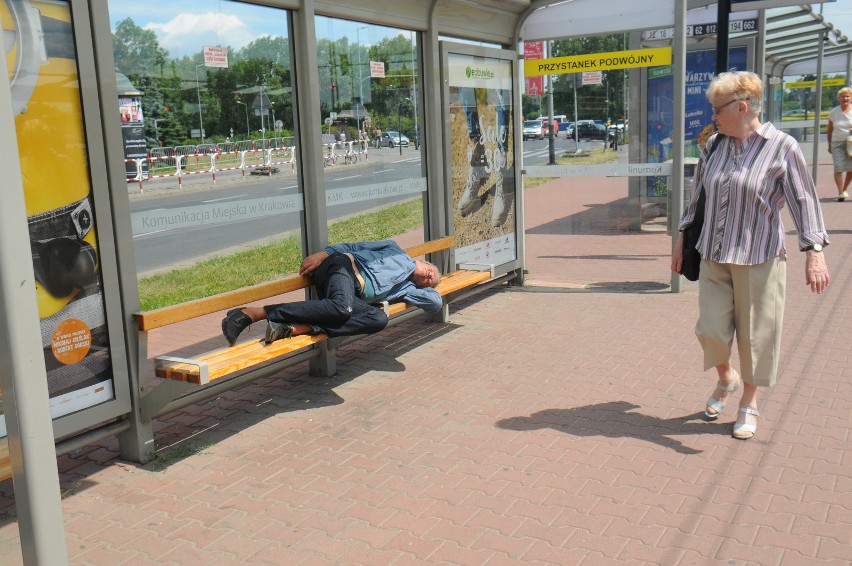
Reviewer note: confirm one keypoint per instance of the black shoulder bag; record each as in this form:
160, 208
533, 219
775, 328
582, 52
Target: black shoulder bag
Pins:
691, 258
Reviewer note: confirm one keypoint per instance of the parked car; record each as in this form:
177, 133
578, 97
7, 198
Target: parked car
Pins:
588, 130
393, 139
533, 129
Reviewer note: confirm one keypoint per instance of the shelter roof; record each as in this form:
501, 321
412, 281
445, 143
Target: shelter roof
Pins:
793, 34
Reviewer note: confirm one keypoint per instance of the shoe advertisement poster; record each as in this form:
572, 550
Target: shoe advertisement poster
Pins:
40, 55
482, 157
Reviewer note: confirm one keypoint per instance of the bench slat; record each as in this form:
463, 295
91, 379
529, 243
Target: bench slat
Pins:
192, 309
460, 279
226, 361
431, 246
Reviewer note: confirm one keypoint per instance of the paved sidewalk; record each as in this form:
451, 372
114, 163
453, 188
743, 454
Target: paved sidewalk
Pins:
555, 424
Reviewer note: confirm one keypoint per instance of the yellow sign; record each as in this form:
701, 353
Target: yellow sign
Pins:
599, 62
812, 84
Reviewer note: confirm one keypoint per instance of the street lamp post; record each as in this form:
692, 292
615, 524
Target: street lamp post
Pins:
262, 112
248, 131
360, 81
198, 93
399, 123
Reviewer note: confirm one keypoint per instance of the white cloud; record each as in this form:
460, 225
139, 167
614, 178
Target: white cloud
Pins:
187, 33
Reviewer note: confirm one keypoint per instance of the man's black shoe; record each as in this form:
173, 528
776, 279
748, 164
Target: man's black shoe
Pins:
233, 324
277, 331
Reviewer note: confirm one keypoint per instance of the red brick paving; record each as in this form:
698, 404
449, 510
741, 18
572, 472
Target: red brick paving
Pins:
557, 424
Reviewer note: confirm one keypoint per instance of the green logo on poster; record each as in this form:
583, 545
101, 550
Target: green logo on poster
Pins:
472, 73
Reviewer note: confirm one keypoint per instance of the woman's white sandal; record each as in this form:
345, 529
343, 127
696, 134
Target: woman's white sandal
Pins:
718, 405
743, 429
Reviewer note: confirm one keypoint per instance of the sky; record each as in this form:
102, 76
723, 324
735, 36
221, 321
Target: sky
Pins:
839, 14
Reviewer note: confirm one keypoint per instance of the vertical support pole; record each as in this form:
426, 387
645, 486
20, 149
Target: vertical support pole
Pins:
309, 162
818, 104
722, 34
678, 127
551, 136
23, 376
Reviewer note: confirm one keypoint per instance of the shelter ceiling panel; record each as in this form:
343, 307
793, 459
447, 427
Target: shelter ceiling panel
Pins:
405, 14
586, 17
479, 23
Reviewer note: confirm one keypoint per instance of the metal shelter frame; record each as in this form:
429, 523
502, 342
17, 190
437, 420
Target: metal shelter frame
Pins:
794, 41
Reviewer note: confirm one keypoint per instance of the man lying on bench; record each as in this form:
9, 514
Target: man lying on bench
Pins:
347, 277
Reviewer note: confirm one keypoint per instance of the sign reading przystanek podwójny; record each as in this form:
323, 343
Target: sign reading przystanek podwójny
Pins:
599, 62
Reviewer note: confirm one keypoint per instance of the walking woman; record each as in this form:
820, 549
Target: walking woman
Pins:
753, 171
840, 128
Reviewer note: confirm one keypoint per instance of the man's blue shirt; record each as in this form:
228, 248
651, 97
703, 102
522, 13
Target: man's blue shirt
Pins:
389, 269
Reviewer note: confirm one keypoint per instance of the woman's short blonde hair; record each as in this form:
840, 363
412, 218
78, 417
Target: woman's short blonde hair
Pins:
844, 90
738, 85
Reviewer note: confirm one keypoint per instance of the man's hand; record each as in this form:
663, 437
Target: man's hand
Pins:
816, 272
310, 263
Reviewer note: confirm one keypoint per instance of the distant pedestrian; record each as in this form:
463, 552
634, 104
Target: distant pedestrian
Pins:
839, 131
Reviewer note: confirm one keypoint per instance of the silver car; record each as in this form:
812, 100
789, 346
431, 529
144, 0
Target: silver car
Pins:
393, 139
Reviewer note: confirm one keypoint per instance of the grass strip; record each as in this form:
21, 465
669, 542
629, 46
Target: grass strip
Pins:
268, 261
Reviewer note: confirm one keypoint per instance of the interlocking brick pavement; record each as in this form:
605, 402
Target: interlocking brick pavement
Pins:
554, 424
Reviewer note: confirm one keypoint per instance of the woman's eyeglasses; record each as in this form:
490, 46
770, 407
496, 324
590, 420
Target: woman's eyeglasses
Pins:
717, 109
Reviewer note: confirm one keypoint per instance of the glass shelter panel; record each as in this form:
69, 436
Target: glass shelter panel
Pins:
371, 101
206, 107
587, 185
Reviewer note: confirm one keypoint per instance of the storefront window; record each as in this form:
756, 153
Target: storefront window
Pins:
370, 96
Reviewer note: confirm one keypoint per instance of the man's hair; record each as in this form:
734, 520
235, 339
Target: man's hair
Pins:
437, 274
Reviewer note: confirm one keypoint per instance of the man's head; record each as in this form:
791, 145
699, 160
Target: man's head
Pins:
425, 274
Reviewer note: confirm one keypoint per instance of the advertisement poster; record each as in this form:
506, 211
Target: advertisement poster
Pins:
482, 158
700, 70
57, 192
133, 135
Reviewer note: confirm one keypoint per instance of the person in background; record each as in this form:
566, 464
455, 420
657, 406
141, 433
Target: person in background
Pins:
840, 128
754, 170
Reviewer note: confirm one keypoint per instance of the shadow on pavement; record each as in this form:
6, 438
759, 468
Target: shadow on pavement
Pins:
614, 420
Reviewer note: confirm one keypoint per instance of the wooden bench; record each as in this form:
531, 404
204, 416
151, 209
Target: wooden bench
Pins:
248, 353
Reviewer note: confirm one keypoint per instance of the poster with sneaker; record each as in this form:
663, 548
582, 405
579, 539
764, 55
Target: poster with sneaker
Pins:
41, 56
482, 158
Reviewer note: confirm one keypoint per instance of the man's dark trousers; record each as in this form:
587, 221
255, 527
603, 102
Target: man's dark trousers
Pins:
339, 311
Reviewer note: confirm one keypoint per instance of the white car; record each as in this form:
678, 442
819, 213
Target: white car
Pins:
533, 129
393, 139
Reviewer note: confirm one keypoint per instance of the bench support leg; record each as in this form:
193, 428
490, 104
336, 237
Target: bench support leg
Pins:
324, 365
442, 315
137, 443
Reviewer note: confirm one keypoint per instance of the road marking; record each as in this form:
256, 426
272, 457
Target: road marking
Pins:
223, 198
349, 177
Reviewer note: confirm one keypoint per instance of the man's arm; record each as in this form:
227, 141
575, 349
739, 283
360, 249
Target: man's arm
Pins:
426, 298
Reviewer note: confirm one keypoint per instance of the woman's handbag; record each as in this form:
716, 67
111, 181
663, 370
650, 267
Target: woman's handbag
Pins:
690, 257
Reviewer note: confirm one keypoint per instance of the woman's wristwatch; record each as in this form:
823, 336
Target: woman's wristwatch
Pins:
813, 248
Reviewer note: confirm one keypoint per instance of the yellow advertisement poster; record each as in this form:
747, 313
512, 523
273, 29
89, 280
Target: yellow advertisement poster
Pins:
45, 93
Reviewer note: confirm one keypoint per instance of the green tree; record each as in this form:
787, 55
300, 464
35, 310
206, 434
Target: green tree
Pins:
137, 51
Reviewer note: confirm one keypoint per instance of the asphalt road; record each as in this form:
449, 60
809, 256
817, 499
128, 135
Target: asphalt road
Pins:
159, 250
